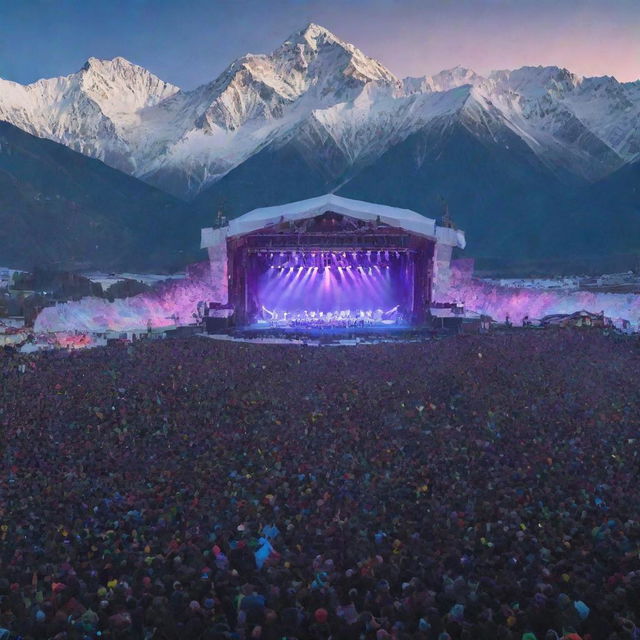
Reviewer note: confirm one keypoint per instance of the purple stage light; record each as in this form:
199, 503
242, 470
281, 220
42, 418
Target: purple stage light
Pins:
353, 284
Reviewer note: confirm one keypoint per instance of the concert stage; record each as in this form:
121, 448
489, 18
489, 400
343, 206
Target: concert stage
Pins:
330, 263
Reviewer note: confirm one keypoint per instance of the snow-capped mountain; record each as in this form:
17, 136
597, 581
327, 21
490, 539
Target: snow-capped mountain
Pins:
587, 125
96, 111
342, 110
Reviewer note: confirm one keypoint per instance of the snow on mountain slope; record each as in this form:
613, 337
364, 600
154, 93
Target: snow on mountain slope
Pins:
443, 81
534, 101
367, 126
585, 125
260, 100
607, 108
92, 111
612, 111
121, 89
314, 87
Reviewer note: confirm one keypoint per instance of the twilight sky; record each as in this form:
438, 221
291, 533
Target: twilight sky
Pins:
189, 42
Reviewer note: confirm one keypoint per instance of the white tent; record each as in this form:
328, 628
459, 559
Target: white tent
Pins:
392, 216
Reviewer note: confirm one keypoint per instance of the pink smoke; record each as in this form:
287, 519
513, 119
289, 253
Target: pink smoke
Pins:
175, 297
498, 301
180, 297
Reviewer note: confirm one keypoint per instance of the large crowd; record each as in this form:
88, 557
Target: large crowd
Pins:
470, 488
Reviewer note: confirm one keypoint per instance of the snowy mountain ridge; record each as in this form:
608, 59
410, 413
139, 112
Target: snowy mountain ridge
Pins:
323, 93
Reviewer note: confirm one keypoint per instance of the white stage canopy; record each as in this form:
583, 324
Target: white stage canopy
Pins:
267, 216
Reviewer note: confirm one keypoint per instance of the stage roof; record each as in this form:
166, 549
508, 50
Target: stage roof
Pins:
266, 216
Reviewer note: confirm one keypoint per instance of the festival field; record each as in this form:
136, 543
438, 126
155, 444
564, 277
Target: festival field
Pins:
479, 488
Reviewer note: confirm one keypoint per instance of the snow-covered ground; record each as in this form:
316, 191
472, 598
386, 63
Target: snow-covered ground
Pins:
13, 323
568, 283
6, 276
107, 279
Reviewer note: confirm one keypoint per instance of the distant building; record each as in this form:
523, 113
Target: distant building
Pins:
580, 319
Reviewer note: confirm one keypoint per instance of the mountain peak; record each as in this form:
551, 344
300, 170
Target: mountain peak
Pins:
312, 34
443, 81
454, 77
538, 79
102, 63
91, 62
316, 56
123, 69
120, 87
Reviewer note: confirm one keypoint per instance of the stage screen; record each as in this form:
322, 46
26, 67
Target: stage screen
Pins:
294, 284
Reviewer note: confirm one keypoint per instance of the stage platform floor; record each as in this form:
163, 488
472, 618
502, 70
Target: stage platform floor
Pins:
323, 331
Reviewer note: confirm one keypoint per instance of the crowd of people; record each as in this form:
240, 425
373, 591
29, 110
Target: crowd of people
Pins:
470, 488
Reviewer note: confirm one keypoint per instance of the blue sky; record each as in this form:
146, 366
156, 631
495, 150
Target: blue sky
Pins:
190, 42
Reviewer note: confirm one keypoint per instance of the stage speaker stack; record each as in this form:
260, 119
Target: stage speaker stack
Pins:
218, 317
